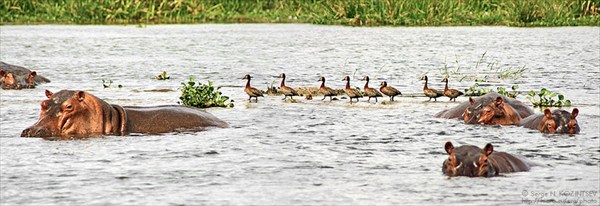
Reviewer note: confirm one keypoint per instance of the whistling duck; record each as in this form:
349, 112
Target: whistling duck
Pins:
351, 92
452, 93
389, 91
370, 92
431, 93
251, 91
285, 90
326, 91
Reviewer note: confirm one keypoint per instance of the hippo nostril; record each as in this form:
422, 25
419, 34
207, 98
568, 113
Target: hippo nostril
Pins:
42, 132
36, 132
26, 133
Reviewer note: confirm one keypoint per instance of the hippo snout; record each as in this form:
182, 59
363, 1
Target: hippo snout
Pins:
36, 132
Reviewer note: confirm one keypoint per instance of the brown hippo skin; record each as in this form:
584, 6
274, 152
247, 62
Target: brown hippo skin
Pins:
471, 161
557, 121
69, 113
470, 111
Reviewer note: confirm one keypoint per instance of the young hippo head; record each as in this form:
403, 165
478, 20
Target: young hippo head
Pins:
548, 124
76, 113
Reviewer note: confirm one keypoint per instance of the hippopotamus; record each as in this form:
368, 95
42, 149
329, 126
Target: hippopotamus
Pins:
558, 121
8, 81
16, 77
499, 108
471, 161
72, 113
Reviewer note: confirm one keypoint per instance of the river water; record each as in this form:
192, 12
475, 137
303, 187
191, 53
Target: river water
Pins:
305, 153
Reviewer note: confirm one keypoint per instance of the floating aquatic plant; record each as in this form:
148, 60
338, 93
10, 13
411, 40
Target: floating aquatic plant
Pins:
547, 98
201, 95
475, 90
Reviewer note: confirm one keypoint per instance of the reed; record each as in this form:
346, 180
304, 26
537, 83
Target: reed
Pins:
338, 12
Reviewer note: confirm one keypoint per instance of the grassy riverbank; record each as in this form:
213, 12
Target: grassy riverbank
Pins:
336, 12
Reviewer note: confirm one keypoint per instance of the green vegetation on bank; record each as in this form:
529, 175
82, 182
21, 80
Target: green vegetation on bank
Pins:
337, 12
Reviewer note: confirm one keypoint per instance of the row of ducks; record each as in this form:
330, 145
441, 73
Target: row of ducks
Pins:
433, 93
352, 92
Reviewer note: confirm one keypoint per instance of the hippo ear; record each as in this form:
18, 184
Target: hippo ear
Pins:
449, 147
33, 74
80, 95
49, 93
547, 113
488, 149
498, 101
574, 113
2, 73
472, 101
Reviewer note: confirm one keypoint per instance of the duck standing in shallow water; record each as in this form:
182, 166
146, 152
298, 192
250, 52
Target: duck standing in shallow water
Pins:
452, 93
326, 91
431, 93
351, 92
371, 92
285, 90
389, 91
251, 91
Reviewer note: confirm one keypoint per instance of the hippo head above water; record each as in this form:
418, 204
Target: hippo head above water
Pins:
471, 161
8, 80
548, 124
566, 122
496, 112
69, 113
557, 121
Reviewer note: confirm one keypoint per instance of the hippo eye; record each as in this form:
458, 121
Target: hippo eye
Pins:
69, 107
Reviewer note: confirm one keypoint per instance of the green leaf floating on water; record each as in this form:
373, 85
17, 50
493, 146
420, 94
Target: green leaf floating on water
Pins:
547, 98
202, 95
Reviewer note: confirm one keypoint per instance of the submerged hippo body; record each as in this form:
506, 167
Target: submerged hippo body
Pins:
558, 121
16, 77
70, 113
471, 161
471, 111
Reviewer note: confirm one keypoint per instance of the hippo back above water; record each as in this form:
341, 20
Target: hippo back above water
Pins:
503, 110
471, 161
558, 121
70, 113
